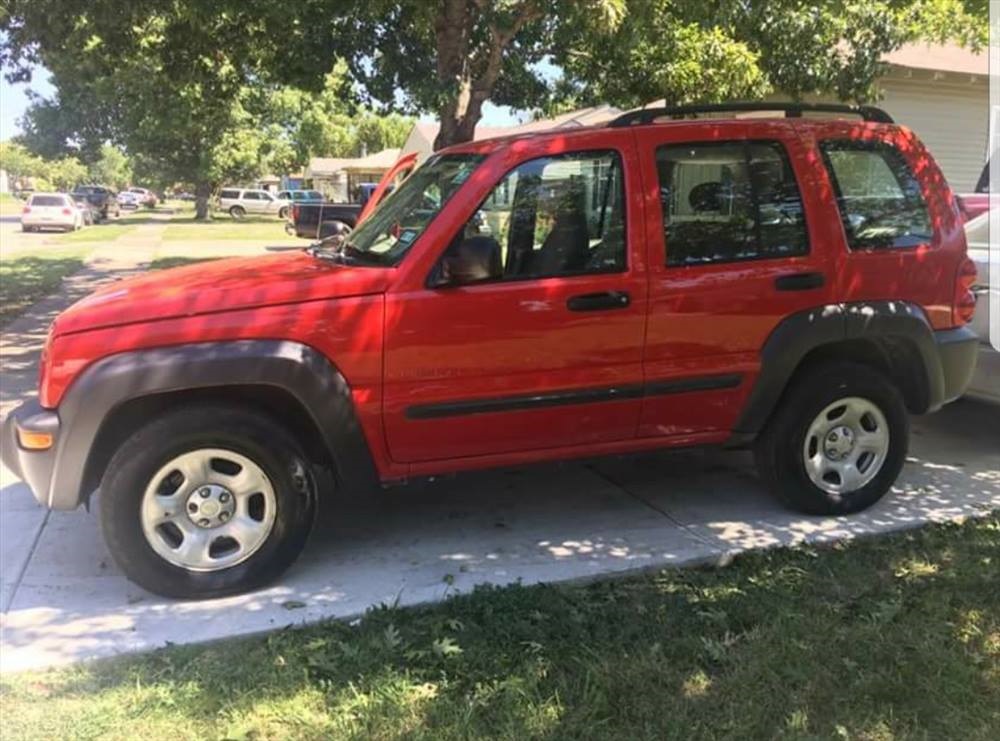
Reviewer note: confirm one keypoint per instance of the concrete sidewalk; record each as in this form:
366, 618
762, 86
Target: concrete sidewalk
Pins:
419, 544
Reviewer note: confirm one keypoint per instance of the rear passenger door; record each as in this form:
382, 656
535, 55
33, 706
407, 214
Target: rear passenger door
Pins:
733, 251
254, 202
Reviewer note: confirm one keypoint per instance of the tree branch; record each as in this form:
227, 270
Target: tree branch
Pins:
527, 12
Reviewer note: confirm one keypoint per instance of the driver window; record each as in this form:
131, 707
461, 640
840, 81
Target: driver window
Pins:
554, 216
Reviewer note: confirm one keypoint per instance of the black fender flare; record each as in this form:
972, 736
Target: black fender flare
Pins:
296, 368
801, 333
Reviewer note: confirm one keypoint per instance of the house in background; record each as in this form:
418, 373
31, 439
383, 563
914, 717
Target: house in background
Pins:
4, 182
339, 178
942, 93
422, 135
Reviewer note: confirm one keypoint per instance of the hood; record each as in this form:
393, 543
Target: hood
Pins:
220, 285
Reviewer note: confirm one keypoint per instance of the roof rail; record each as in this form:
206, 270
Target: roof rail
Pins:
791, 110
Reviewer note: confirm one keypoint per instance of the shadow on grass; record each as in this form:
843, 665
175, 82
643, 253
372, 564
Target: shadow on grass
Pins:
25, 280
165, 263
223, 219
896, 637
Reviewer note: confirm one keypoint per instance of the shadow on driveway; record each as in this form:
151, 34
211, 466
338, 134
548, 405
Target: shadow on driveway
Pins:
423, 542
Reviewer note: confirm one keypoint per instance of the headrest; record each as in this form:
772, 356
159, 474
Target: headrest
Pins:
706, 197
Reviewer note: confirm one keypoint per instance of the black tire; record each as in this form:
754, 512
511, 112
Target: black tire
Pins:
243, 431
237, 212
779, 451
283, 213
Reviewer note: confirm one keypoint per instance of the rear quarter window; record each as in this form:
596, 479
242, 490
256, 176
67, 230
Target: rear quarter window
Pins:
880, 201
229, 194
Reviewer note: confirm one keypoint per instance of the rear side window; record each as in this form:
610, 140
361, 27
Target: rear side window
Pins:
229, 194
880, 202
48, 201
729, 201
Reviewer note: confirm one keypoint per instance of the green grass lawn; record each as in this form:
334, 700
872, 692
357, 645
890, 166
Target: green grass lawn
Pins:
164, 263
99, 232
9, 205
183, 227
26, 278
889, 638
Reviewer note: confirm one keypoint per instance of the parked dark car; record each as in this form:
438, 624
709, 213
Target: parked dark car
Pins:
320, 220
91, 214
104, 200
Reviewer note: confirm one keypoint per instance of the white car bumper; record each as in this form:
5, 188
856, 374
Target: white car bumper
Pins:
60, 221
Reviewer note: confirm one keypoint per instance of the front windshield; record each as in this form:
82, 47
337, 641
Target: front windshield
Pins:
387, 235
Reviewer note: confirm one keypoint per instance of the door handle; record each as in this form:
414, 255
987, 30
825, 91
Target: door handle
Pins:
599, 301
799, 282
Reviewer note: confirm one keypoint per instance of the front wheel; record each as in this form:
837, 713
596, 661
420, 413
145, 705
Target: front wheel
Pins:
283, 212
205, 502
837, 442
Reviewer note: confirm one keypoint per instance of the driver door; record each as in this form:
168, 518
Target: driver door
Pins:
528, 335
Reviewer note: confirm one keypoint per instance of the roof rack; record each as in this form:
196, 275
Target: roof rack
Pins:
791, 110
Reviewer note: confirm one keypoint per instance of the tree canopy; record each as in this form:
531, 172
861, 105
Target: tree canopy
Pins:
209, 91
180, 87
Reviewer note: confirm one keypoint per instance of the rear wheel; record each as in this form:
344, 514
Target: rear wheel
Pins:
837, 442
207, 501
237, 212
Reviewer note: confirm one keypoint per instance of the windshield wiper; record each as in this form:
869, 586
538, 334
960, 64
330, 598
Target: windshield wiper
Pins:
344, 253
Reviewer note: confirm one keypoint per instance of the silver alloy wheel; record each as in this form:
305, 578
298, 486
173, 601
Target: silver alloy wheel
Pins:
846, 445
208, 509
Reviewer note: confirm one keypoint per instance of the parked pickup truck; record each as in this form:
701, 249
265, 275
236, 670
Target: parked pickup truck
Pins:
793, 285
104, 200
321, 220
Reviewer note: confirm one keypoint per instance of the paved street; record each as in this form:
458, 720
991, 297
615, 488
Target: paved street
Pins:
63, 599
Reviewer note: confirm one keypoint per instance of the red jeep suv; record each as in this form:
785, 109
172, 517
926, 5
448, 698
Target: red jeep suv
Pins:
796, 284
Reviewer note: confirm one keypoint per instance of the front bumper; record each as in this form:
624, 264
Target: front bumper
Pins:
958, 350
34, 467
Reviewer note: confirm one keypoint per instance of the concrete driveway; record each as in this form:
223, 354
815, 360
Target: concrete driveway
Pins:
64, 599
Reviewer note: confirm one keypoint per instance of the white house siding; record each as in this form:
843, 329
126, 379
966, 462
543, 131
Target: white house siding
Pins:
951, 118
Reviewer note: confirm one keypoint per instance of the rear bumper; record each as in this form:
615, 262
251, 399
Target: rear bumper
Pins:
34, 467
62, 222
958, 351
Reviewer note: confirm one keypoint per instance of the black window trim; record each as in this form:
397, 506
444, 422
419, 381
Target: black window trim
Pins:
874, 145
431, 279
746, 142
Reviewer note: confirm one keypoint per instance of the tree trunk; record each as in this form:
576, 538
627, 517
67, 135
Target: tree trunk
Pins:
202, 192
471, 73
458, 120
